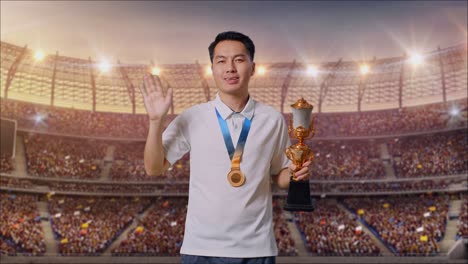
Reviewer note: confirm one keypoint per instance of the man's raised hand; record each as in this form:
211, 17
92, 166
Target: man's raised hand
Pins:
157, 105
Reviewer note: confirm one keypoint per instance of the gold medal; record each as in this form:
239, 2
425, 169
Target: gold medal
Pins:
236, 178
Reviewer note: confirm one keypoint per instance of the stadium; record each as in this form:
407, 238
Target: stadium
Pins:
389, 175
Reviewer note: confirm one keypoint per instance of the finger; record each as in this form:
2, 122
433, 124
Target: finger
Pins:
143, 91
149, 84
293, 167
145, 83
302, 171
307, 164
303, 177
169, 96
156, 82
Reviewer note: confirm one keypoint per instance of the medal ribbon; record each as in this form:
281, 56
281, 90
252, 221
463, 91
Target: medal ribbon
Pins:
234, 155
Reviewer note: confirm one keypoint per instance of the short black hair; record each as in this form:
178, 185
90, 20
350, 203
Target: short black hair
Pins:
236, 36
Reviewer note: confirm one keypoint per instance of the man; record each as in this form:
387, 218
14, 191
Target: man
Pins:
236, 149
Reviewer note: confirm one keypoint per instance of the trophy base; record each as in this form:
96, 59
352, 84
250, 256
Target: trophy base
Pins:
299, 207
299, 197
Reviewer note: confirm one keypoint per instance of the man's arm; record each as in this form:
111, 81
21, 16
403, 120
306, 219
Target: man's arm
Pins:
157, 105
283, 178
155, 161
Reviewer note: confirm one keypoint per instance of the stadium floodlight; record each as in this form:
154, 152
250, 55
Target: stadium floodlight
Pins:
416, 59
155, 71
38, 118
104, 66
208, 70
261, 70
454, 111
312, 70
39, 55
364, 69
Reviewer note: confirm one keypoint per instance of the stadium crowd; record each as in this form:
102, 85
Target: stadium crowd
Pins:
182, 188
87, 123
104, 188
430, 155
159, 233
413, 157
20, 227
50, 156
329, 231
85, 226
6, 249
345, 160
389, 122
76, 122
15, 183
88, 225
409, 225
284, 241
6, 164
331, 187
366, 187
463, 219
129, 165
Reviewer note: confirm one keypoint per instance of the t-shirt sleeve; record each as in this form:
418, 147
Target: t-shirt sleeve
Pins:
174, 138
279, 160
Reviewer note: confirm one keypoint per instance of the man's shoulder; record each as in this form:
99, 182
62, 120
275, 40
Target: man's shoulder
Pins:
197, 110
271, 112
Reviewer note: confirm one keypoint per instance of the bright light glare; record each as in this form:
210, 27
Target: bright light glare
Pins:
261, 70
312, 70
39, 55
416, 59
454, 111
38, 118
208, 70
104, 66
155, 71
364, 69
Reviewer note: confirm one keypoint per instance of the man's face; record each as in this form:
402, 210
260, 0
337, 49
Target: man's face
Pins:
232, 67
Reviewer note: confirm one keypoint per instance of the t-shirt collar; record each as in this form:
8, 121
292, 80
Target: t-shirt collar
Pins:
225, 111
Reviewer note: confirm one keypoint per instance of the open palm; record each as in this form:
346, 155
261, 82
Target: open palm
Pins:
157, 104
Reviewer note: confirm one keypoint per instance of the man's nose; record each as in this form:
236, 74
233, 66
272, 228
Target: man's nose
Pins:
231, 67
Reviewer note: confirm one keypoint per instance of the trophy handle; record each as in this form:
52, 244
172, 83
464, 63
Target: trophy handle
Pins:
287, 151
290, 127
312, 128
311, 156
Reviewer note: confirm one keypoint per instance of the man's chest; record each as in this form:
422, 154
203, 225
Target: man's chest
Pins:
206, 139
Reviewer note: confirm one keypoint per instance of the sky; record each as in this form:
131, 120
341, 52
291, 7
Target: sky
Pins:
180, 32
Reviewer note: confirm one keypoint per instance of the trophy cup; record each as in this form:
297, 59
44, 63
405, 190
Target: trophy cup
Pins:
300, 128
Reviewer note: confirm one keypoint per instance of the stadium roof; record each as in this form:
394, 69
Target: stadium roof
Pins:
339, 86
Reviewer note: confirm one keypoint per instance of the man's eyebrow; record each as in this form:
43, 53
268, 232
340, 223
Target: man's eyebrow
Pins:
223, 57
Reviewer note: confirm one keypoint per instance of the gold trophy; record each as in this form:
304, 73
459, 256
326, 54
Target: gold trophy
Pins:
299, 127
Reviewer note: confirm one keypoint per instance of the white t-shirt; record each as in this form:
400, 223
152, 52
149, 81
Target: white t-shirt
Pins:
222, 220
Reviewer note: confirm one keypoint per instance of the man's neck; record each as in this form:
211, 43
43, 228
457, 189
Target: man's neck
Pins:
236, 102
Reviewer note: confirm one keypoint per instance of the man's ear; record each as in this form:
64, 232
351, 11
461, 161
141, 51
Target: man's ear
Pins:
253, 69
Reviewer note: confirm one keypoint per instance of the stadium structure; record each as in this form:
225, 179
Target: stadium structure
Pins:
389, 174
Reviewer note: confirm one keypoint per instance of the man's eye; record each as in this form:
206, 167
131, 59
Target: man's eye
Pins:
221, 61
239, 60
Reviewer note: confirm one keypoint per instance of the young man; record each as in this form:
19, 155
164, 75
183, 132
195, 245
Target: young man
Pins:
236, 147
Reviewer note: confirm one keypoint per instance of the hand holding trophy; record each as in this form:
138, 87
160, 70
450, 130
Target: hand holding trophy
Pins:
300, 128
